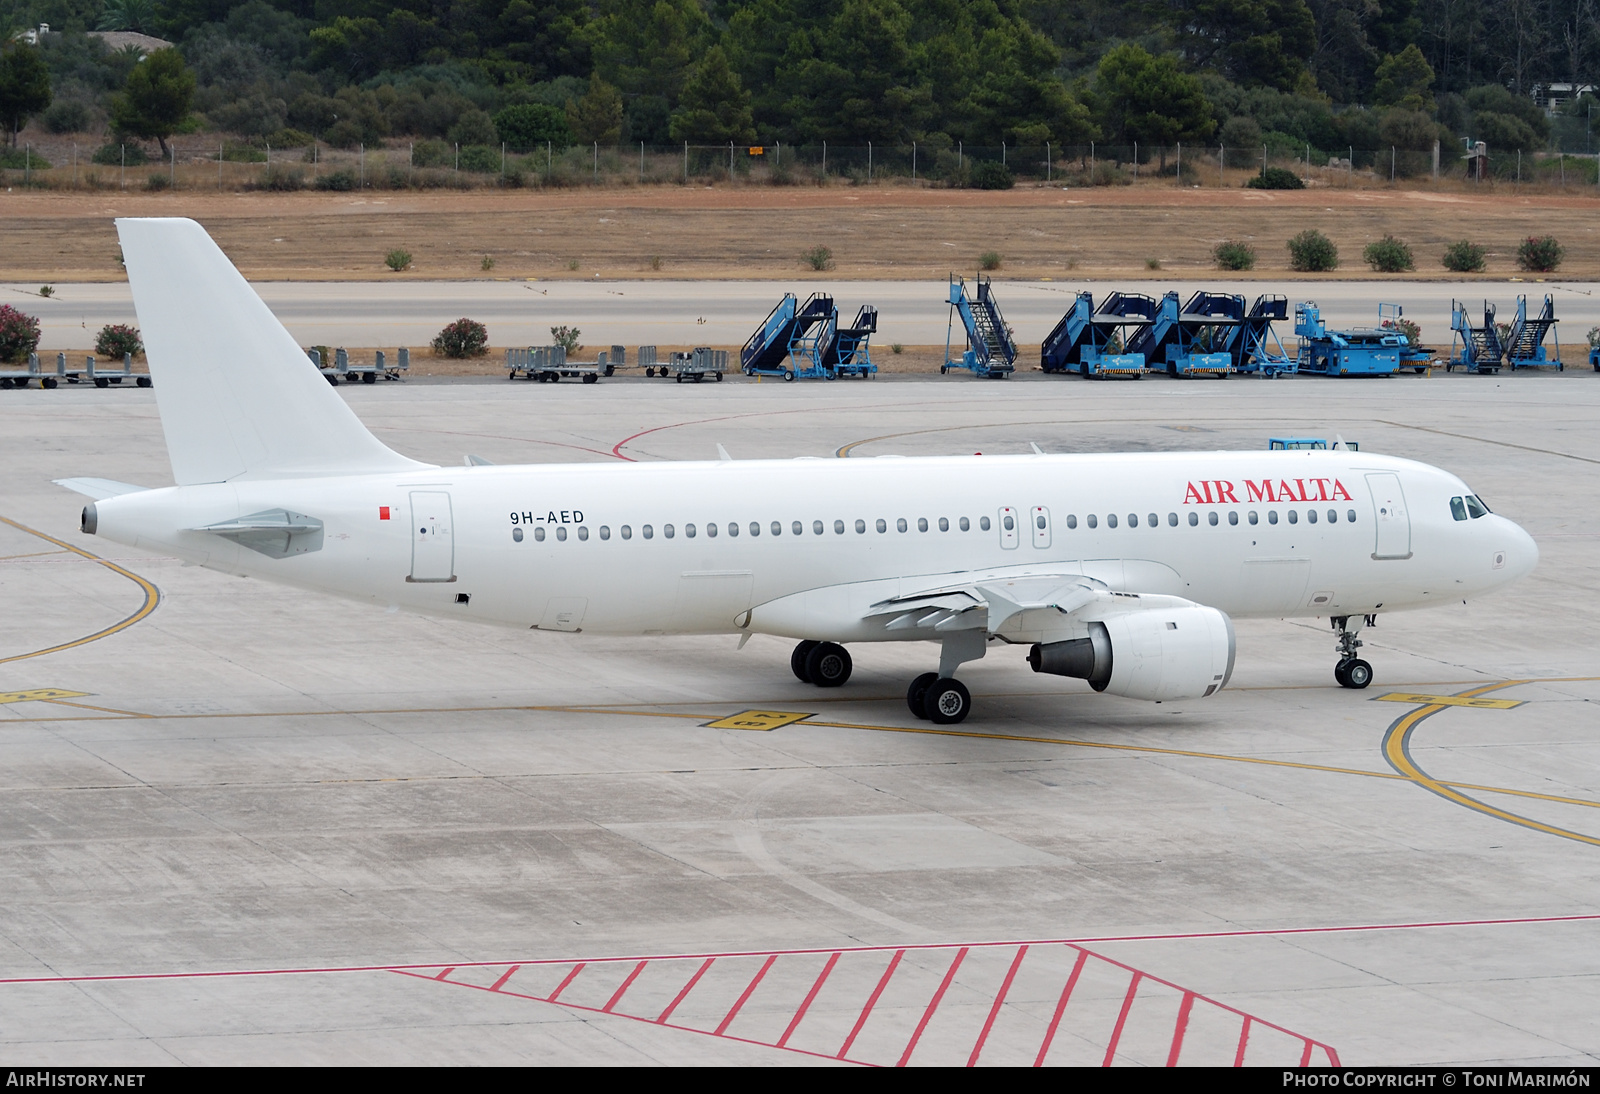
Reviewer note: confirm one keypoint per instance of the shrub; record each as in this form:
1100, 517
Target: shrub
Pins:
463, 338
1388, 255
819, 258
1232, 254
1594, 337
277, 177
480, 159
242, 153
336, 180
16, 159
110, 154
1312, 252
991, 176
526, 126
67, 116
398, 260
1152, 263
1276, 178
1539, 254
19, 334
1463, 256
47, 290
897, 348
158, 181
290, 138
989, 260
487, 264
117, 339
566, 337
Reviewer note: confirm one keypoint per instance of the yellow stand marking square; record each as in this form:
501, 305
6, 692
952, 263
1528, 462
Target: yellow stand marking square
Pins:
39, 693
758, 719
1450, 700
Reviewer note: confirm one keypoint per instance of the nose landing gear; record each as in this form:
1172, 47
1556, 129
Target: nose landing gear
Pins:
825, 664
1351, 671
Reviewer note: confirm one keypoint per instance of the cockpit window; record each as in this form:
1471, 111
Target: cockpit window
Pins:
1458, 509
1475, 507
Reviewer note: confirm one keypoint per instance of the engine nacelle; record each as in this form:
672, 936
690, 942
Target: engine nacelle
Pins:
1153, 653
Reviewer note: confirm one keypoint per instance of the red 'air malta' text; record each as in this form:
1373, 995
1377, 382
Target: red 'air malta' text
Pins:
1220, 491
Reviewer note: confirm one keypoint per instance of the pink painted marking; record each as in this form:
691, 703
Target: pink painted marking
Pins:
1305, 1057
872, 1001
794, 1023
1182, 1027
445, 975
933, 1005
744, 998
500, 983
561, 987
1244, 1039
626, 984
1061, 1007
687, 988
1122, 1018
994, 1011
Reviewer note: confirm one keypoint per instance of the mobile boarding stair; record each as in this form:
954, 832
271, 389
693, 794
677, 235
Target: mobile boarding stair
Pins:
850, 351
1253, 343
789, 341
1090, 342
1474, 349
1525, 343
990, 353
1359, 351
1189, 341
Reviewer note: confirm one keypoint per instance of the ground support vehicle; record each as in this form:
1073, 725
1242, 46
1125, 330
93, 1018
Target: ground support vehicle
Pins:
1360, 351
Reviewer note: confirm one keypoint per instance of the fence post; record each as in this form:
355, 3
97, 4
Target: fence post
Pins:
1263, 161
1519, 167
1091, 163
1350, 167
1180, 163
1135, 159
913, 161
124, 165
221, 150
1002, 153
172, 169
730, 161
824, 159
1435, 161
458, 160
1047, 164
869, 163
1222, 166
641, 161
27, 163
685, 161
596, 161
361, 167
1391, 163
961, 156
502, 163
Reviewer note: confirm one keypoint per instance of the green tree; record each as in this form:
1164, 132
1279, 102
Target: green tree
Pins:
24, 87
139, 15
714, 107
1146, 98
1255, 43
1404, 80
598, 115
526, 126
156, 98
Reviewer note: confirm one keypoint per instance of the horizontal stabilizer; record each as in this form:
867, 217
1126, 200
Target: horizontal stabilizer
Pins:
238, 398
99, 489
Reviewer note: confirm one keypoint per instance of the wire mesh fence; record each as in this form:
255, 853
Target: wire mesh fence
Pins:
220, 164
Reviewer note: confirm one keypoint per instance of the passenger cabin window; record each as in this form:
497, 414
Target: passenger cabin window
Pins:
605, 531
1072, 520
627, 531
861, 527
1294, 517
883, 526
966, 525
983, 524
538, 535
755, 529
649, 532
1211, 518
667, 530
688, 531
1091, 519
711, 529
1172, 520
1233, 518
1272, 516
1254, 518
922, 524
1194, 520
1155, 521
733, 529
944, 524
1111, 520
561, 535
838, 527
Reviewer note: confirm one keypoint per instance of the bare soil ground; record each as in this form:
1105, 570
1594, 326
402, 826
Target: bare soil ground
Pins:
763, 232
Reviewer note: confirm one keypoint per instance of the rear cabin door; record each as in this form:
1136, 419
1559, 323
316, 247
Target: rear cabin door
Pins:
433, 545
1390, 515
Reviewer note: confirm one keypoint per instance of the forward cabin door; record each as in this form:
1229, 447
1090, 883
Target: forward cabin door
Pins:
433, 543
1390, 515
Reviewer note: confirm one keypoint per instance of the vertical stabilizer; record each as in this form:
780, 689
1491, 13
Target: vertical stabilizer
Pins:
239, 399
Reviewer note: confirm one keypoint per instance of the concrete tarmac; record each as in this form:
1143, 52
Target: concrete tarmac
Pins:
674, 313
247, 824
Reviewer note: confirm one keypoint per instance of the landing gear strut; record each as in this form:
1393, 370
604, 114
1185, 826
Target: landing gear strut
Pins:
1351, 671
937, 696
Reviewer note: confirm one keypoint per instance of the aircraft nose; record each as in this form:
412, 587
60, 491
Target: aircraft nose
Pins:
1521, 554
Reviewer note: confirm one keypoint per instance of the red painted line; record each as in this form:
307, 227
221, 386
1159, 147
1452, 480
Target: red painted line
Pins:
626, 984
687, 988
1181, 1028
616, 1015
794, 1023
933, 1005
872, 1001
994, 1011
500, 983
1122, 1019
446, 973
561, 987
1066, 993
745, 997
1305, 1057
1244, 1039
1083, 941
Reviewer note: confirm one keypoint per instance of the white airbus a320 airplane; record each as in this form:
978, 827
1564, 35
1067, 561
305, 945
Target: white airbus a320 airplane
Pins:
1121, 570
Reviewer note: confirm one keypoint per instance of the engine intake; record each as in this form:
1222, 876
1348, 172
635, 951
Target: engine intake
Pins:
1152, 653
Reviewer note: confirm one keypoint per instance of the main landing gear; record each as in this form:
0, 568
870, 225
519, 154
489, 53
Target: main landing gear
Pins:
936, 697
825, 664
1351, 671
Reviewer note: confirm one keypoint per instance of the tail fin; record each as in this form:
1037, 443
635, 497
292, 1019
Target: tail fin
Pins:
239, 399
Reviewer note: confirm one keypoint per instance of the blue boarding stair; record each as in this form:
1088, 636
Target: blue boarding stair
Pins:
1474, 349
1525, 343
1090, 342
1181, 339
990, 352
850, 352
1253, 344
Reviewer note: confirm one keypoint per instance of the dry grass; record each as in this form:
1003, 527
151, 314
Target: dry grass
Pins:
762, 232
